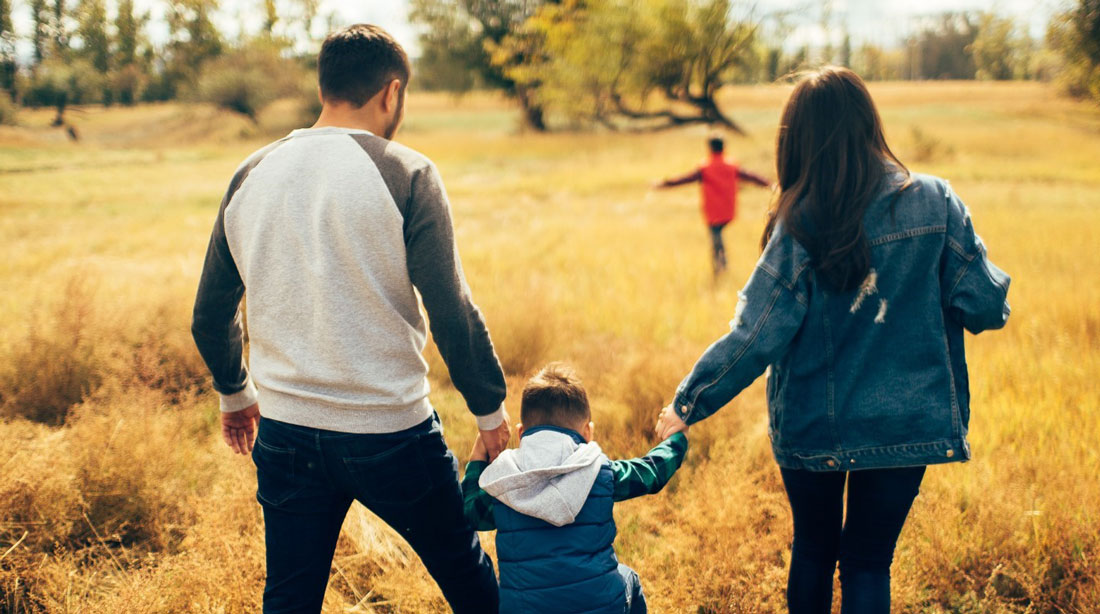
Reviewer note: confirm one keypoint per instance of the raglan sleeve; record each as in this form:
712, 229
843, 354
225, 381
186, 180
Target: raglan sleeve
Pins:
216, 322
457, 325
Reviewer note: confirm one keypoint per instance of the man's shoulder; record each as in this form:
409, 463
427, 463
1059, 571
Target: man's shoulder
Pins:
254, 159
391, 155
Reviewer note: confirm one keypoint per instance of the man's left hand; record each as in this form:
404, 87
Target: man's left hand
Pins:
239, 428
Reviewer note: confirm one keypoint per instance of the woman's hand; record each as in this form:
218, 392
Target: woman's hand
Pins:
669, 423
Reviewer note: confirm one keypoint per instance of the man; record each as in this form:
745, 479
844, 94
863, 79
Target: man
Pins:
719, 178
329, 230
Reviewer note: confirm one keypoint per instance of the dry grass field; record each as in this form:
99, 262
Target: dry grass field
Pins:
117, 495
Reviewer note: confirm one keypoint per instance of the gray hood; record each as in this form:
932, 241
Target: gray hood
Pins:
549, 476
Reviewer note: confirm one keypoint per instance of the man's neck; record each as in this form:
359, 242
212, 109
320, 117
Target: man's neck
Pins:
339, 118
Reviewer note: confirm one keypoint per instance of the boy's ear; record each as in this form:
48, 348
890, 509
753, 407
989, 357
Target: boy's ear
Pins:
519, 429
589, 431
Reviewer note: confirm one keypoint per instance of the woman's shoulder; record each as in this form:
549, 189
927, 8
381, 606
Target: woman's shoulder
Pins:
915, 186
908, 200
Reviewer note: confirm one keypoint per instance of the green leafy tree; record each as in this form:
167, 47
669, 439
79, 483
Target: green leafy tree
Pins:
999, 52
1075, 37
92, 28
128, 33
40, 23
59, 24
654, 64
940, 49
7, 52
194, 41
877, 64
131, 69
58, 83
461, 46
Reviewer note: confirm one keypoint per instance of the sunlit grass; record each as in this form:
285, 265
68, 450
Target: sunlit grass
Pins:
135, 506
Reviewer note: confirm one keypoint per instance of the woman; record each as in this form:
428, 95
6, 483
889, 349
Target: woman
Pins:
869, 275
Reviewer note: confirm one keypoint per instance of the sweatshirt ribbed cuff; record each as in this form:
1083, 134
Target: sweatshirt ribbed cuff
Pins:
489, 422
237, 401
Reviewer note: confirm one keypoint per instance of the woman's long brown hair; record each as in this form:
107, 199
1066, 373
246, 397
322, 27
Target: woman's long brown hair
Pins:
831, 159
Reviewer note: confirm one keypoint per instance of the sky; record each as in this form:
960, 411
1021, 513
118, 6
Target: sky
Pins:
882, 22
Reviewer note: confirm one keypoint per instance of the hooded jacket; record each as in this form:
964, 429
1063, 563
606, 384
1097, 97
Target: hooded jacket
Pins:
555, 529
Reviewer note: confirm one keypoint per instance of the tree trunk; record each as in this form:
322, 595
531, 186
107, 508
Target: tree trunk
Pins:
62, 102
533, 113
709, 113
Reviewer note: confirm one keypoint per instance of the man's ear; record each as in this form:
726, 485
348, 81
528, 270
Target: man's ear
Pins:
320, 96
392, 95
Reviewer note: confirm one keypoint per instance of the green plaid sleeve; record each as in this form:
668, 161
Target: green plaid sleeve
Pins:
650, 473
476, 503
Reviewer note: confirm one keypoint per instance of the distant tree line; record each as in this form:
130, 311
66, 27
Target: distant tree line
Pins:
621, 64
659, 63
80, 54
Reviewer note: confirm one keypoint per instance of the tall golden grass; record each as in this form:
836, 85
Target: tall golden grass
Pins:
117, 496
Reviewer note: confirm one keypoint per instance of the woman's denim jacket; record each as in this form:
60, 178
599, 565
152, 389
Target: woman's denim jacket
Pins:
870, 378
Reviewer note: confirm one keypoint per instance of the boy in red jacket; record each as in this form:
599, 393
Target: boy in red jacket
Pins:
719, 178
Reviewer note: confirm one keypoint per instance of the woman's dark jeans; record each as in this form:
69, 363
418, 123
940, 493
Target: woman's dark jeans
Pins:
863, 543
308, 479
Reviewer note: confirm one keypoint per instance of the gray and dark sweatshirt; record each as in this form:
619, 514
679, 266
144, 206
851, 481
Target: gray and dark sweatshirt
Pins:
329, 230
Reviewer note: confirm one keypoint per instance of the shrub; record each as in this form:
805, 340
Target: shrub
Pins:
54, 365
126, 84
59, 84
8, 110
248, 79
927, 148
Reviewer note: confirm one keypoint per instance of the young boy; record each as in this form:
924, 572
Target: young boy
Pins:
550, 501
719, 178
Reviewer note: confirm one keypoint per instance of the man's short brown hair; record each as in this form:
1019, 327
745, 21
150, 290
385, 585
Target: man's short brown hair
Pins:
555, 396
357, 62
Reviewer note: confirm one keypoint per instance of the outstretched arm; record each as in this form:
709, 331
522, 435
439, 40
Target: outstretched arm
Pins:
692, 177
649, 474
769, 313
753, 178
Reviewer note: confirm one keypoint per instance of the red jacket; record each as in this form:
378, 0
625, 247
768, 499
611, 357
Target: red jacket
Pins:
719, 178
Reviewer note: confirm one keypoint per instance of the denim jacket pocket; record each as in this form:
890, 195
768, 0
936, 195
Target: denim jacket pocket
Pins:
397, 475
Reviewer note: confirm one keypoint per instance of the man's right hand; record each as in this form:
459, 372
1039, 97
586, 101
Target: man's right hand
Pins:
496, 440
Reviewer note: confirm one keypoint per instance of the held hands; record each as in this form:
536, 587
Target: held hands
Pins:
494, 441
239, 428
669, 423
479, 453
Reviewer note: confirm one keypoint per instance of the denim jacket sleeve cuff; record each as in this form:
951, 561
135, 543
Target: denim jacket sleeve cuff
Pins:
245, 397
491, 421
683, 407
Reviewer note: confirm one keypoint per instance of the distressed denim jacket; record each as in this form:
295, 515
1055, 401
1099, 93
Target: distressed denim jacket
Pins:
873, 377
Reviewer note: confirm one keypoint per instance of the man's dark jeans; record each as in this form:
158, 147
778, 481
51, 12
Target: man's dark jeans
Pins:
307, 481
878, 503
